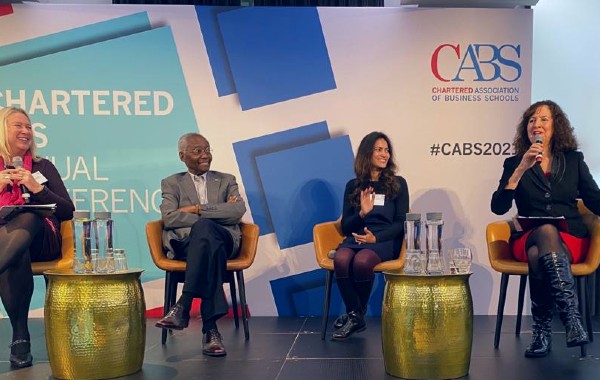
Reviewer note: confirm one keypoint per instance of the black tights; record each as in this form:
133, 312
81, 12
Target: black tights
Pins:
542, 241
359, 266
354, 274
16, 278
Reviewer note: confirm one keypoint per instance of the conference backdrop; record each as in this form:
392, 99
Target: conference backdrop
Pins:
284, 95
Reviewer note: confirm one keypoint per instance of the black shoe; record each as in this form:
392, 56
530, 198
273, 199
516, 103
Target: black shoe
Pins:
340, 321
355, 323
176, 319
22, 357
541, 344
212, 344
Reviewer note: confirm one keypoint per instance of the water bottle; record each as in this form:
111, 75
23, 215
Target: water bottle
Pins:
412, 237
82, 242
433, 225
103, 239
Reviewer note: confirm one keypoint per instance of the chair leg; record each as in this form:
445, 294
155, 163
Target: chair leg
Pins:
583, 303
242, 291
522, 286
501, 302
325, 318
234, 304
583, 293
166, 304
588, 306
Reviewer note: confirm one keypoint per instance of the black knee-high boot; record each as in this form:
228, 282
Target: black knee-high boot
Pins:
542, 306
354, 321
557, 269
348, 293
363, 290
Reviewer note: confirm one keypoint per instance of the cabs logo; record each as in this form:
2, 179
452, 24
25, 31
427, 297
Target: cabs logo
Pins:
479, 62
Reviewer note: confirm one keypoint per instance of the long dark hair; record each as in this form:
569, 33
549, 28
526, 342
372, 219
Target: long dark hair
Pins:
563, 137
363, 167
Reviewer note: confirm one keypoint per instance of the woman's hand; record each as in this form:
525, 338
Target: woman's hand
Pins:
25, 178
526, 163
528, 159
367, 200
5, 179
368, 237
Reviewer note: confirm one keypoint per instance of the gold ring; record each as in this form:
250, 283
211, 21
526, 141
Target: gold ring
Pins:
7, 177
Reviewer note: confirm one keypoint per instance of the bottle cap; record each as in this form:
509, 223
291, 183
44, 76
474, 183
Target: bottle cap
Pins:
413, 216
434, 216
102, 215
81, 214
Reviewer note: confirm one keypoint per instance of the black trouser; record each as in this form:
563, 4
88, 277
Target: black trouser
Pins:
206, 251
16, 278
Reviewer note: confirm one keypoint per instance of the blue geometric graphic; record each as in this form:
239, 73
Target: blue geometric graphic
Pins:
305, 186
246, 153
276, 54
73, 38
120, 125
213, 40
302, 295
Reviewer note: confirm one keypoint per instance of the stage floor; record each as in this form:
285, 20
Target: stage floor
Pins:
291, 349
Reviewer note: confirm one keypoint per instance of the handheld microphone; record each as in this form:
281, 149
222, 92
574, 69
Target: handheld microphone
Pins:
540, 140
17, 162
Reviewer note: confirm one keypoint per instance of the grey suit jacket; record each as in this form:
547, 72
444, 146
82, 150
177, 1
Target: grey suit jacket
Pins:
178, 190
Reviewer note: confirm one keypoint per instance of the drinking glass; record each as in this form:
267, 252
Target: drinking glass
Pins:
461, 259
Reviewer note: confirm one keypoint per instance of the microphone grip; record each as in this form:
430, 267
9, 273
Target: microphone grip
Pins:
538, 157
25, 193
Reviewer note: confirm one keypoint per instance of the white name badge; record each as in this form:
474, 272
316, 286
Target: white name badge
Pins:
39, 178
379, 200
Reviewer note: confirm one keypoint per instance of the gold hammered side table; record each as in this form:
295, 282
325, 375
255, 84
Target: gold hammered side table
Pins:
427, 326
95, 324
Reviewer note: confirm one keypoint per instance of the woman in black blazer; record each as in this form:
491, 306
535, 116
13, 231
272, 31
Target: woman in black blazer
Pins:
545, 178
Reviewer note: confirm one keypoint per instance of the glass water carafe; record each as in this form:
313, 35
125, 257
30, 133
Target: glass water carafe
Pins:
412, 237
103, 236
82, 242
434, 225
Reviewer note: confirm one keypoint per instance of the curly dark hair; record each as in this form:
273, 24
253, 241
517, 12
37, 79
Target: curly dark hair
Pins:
363, 166
563, 137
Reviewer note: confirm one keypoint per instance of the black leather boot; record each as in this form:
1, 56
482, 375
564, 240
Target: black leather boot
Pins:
557, 269
350, 298
542, 306
355, 323
342, 319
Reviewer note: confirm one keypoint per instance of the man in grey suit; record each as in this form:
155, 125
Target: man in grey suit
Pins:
201, 210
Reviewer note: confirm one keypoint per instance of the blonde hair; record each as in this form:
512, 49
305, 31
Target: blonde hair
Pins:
5, 152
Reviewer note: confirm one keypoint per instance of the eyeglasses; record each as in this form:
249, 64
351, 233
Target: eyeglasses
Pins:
198, 150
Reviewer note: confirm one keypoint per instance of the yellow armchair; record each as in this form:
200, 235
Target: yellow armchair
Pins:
501, 260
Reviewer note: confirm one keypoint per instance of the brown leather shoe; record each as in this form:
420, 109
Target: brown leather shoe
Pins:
176, 319
213, 344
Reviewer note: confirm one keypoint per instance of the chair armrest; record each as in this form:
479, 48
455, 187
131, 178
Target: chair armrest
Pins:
154, 231
326, 237
592, 259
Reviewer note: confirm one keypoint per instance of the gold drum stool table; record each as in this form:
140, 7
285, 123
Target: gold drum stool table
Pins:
427, 326
95, 324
